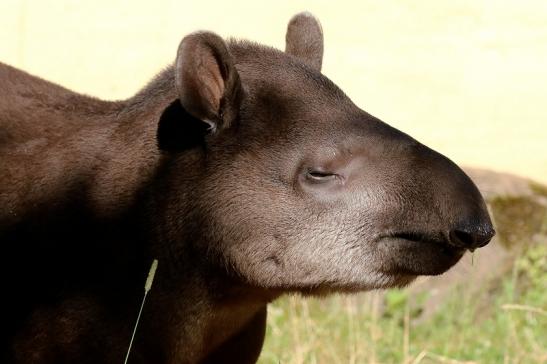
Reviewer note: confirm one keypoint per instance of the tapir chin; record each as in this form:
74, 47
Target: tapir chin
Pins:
241, 168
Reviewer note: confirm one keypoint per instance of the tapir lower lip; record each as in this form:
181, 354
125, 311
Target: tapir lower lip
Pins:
419, 254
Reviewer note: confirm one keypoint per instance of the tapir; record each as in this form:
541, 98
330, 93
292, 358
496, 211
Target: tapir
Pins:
243, 170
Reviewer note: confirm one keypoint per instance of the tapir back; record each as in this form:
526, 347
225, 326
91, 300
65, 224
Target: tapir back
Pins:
49, 136
32, 108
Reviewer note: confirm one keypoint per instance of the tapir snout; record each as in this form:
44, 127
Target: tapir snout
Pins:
462, 207
441, 204
472, 236
422, 210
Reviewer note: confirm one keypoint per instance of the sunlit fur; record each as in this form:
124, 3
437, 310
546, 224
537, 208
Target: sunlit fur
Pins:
209, 170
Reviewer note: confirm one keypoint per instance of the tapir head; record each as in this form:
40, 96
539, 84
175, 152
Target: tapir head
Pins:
299, 189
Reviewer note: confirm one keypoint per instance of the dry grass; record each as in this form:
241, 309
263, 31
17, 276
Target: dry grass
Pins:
504, 322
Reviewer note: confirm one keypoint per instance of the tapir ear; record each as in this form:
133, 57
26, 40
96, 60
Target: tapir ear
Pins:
304, 39
207, 81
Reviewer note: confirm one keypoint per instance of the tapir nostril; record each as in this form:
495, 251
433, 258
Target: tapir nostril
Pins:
461, 238
471, 239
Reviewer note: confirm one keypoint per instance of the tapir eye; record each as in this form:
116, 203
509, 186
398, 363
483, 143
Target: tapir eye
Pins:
318, 176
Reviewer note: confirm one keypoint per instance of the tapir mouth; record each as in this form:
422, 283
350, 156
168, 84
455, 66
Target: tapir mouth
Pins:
420, 237
411, 253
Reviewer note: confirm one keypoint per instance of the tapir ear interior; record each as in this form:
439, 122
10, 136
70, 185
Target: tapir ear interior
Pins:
178, 130
207, 81
304, 39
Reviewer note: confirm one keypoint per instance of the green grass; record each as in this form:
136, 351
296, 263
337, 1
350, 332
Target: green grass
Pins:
503, 322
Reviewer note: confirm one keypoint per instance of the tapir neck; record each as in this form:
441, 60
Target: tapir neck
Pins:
131, 158
84, 191
197, 305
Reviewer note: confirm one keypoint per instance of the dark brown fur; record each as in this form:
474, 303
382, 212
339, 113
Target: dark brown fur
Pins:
91, 191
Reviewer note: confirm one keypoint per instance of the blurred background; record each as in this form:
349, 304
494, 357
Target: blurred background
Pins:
467, 78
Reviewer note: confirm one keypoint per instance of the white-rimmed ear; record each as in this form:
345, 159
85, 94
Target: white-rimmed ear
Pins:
207, 82
304, 39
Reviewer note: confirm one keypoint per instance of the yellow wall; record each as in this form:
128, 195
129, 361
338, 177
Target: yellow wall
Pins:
468, 78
